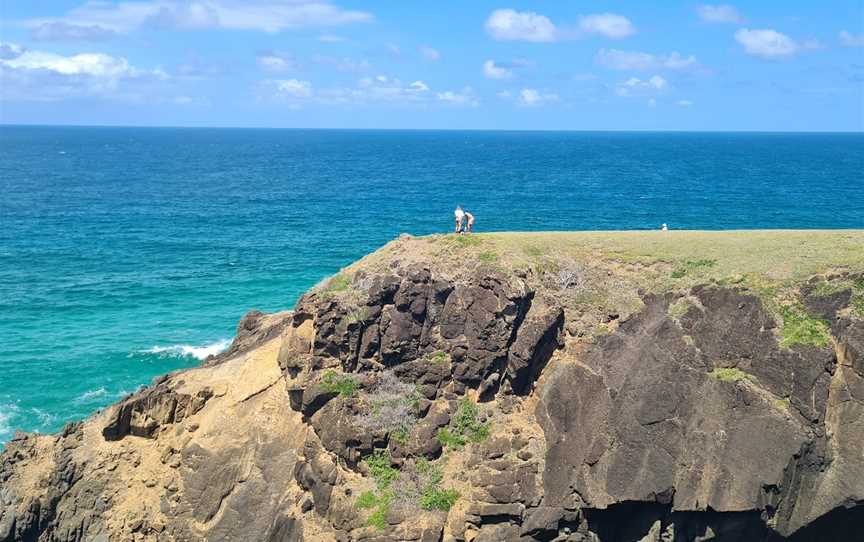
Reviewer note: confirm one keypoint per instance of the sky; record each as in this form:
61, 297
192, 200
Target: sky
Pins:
545, 65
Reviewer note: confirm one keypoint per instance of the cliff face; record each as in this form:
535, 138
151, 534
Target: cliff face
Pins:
483, 389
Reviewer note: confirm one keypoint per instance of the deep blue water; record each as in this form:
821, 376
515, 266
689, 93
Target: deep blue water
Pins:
120, 246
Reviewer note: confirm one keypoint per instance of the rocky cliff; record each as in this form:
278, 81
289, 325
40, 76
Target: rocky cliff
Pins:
573, 387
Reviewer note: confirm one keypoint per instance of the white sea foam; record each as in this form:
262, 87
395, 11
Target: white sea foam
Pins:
186, 350
7, 412
90, 395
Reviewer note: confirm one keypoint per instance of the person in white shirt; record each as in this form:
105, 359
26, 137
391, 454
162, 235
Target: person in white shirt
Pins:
460, 214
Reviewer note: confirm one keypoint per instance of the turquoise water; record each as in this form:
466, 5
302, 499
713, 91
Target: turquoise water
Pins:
126, 253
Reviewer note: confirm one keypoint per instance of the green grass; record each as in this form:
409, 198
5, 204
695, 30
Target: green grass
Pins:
381, 469
380, 503
343, 384
339, 283
782, 404
400, 435
691, 266
462, 240
488, 256
731, 374
465, 427
439, 357
449, 439
435, 498
367, 500
800, 328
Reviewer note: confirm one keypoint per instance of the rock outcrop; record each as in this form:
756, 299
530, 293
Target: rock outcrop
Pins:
405, 401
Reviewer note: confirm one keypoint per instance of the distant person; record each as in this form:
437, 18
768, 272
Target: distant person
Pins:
470, 218
460, 215
664, 227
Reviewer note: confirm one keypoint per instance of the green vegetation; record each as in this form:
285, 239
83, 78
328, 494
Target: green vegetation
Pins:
358, 315
691, 266
679, 308
400, 435
488, 256
342, 384
463, 240
367, 500
439, 357
465, 427
381, 469
782, 404
419, 485
435, 498
432, 496
384, 474
800, 328
731, 374
339, 283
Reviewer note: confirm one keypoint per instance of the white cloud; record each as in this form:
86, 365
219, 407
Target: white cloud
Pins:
636, 86
429, 53
684, 103
331, 38
493, 71
276, 62
465, 97
418, 86
380, 89
95, 17
531, 97
851, 40
294, 88
45, 76
607, 24
768, 43
639, 61
512, 25
723, 13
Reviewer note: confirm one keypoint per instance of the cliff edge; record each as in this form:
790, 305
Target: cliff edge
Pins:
592, 387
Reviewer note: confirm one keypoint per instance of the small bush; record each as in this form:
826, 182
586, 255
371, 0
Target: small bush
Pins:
390, 406
801, 328
367, 500
358, 315
378, 519
400, 435
451, 440
731, 374
439, 357
435, 498
343, 384
465, 427
381, 469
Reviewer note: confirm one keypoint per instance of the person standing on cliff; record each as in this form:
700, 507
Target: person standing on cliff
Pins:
470, 218
460, 214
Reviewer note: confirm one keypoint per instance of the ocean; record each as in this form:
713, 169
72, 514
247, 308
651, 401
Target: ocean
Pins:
129, 252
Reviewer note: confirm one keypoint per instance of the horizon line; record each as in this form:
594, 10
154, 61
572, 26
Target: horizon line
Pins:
298, 128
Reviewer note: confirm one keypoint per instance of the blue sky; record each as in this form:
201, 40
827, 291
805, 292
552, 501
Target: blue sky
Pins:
574, 65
